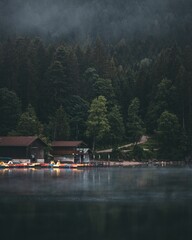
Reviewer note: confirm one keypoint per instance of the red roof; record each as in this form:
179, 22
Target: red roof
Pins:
17, 141
67, 143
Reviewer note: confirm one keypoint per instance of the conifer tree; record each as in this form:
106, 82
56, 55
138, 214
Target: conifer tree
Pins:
10, 110
29, 124
58, 127
77, 110
103, 87
97, 123
117, 128
135, 125
169, 136
56, 88
164, 100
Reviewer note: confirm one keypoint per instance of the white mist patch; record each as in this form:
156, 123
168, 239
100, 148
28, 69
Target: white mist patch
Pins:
103, 17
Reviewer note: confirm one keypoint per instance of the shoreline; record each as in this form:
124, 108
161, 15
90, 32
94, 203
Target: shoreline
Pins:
144, 163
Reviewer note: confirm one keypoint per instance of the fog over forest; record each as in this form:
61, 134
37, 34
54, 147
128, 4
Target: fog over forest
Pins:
109, 19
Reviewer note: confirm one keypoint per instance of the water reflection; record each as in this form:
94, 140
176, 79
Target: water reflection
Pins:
116, 184
106, 203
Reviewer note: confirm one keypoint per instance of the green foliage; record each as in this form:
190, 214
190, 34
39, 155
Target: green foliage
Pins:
163, 100
138, 153
56, 85
97, 123
135, 125
124, 86
117, 128
89, 78
169, 136
167, 63
50, 74
77, 110
58, 127
168, 129
103, 87
116, 153
10, 110
28, 124
100, 57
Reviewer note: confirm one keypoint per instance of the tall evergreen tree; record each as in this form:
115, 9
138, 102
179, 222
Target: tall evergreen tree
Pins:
77, 110
97, 123
167, 64
124, 87
89, 78
56, 88
29, 124
143, 83
169, 136
135, 125
100, 58
25, 73
58, 127
73, 73
10, 109
164, 100
8, 66
117, 128
103, 87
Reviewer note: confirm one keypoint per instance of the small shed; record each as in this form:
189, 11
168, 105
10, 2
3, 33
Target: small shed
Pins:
70, 151
22, 147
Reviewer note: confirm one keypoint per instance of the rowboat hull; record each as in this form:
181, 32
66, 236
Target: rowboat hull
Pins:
44, 165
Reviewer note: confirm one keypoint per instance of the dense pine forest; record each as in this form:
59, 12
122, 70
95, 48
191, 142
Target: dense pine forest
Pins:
102, 86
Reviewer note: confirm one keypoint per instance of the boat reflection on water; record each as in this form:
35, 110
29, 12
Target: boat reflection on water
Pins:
23, 171
105, 203
58, 171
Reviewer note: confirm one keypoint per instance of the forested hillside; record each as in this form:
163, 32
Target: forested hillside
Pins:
106, 86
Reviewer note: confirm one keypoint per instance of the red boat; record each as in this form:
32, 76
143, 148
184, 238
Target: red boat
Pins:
11, 164
64, 165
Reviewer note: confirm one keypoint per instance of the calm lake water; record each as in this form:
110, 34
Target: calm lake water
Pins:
96, 204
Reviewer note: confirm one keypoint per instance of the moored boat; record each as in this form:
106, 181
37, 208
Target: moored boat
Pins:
44, 165
13, 165
64, 165
34, 165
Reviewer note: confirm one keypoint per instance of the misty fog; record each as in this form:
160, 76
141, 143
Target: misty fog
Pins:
82, 18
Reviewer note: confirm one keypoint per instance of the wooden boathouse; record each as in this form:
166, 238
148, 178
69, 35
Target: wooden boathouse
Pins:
70, 151
22, 148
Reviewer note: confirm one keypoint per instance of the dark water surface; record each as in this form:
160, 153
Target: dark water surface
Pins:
96, 204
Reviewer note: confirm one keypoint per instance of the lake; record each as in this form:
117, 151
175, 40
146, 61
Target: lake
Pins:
97, 203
